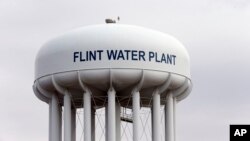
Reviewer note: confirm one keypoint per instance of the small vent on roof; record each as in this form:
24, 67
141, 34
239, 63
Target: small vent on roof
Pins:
110, 21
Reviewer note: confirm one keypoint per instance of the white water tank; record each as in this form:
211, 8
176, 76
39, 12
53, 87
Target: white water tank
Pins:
122, 59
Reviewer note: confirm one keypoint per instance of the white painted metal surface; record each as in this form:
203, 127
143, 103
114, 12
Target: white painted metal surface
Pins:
111, 115
87, 116
73, 124
92, 124
111, 66
169, 118
106, 122
102, 38
136, 114
118, 120
67, 117
156, 123
55, 121
50, 120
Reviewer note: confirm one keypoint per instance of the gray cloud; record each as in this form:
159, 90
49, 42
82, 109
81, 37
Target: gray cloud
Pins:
216, 34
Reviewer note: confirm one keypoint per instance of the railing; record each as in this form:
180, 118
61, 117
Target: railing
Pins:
126, 115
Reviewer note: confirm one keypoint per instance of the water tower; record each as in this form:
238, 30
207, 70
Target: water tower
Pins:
111, 66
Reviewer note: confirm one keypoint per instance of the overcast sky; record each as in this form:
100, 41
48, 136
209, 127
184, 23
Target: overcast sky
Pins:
216, 34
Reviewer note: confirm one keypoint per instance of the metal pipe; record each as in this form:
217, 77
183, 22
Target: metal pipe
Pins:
87, 116
67, 117
111, 115
50, 118
174, 117
169, 119
73, 123
55, 119
156, 117
136, 115
106, 122
92, 124
118, 120
152, 118
87, 110
60, 122
136, 107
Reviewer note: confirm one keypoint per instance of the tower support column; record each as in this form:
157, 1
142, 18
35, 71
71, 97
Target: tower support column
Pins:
106, 122
169, 118
55, 115
50, 119
73, 123
93, 124
136, 114
156, 122
87, 116
118, 120
174, 116
111, 115
60, 120
67, 117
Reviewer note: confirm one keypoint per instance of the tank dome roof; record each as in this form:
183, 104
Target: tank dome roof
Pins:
112, 46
